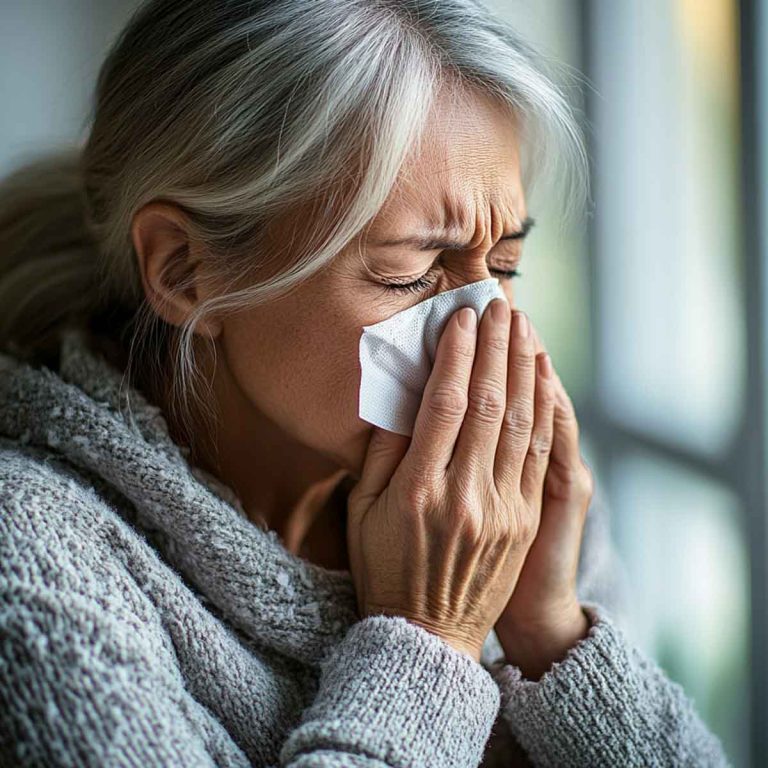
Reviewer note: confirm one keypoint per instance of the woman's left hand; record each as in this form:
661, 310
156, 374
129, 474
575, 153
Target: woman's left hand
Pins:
543, 619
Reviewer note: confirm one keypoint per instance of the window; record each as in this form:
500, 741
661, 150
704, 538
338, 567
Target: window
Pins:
656, 321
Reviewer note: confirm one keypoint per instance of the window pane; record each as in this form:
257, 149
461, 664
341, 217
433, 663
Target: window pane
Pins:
554, 288
680, 537
666, 75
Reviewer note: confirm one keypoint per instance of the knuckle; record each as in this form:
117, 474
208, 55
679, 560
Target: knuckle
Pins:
499, 530
540, 445
522, 361
415, 501
486, 402
526, 530
415, 496
578, 480
518, 417
496, 343
448, 403
520, 539
464, 351
464, 517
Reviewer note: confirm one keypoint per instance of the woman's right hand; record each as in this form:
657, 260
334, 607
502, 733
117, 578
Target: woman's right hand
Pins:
439, 524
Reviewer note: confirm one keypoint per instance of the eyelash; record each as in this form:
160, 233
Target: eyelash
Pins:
417, 286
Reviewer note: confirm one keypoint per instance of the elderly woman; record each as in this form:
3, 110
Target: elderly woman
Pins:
207, 557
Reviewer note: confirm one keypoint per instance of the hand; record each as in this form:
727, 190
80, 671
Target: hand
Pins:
543, 619
439, 524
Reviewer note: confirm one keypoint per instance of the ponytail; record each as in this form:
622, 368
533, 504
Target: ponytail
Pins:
47, 256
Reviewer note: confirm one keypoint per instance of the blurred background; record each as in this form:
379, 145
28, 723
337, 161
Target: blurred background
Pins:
654, 306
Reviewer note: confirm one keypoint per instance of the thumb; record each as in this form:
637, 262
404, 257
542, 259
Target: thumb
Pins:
385, 452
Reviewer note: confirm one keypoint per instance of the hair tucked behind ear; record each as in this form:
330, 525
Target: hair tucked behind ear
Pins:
239, 112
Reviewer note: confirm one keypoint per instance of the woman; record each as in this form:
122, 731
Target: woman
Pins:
206, 556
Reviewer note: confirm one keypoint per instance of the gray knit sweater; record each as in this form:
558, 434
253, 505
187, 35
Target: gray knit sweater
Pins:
145, 621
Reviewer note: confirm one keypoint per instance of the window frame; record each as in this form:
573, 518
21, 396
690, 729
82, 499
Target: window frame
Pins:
742, 467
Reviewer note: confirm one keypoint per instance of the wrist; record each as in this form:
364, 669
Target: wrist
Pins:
534, 646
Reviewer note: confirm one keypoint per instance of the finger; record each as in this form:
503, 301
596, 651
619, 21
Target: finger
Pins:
518, 418
444, 401
487, 396
570, 477
537, 458
565, 446
564, 507
537, 342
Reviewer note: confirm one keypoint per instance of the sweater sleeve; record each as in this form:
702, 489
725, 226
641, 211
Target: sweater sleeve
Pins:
604, 704
392, 693
601, 578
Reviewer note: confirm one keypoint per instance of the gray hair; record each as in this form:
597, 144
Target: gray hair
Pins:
236, 112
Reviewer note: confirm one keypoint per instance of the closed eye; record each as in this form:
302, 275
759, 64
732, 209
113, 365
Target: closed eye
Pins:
425, 282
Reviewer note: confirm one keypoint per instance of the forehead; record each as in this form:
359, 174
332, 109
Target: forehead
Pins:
468, 158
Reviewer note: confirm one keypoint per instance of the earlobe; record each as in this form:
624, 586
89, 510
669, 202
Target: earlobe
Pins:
169, 264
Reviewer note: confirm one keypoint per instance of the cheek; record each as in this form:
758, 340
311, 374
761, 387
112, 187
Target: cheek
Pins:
299, 366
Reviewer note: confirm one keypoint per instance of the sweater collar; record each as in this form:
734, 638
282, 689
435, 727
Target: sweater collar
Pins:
85, 413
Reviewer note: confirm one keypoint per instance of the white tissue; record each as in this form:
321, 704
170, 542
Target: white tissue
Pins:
397, 354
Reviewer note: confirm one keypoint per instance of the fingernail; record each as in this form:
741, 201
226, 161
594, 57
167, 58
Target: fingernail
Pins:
499, 310
521, 325
545, 366
468, 319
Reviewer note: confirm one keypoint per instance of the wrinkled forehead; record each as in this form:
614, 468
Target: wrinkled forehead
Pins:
468, 161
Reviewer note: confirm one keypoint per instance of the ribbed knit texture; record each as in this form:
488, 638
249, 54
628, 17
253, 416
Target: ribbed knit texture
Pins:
145, 621
621, 707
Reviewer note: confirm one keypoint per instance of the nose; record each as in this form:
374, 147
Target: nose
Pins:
463, 267
462, 271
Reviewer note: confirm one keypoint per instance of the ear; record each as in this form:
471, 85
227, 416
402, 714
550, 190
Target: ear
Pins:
168, 257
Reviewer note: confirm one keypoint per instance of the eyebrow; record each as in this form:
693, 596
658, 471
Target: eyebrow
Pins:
429, 243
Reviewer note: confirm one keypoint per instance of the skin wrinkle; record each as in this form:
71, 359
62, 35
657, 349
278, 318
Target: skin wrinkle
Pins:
287, 374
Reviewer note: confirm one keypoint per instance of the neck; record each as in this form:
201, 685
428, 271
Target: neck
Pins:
282, 484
